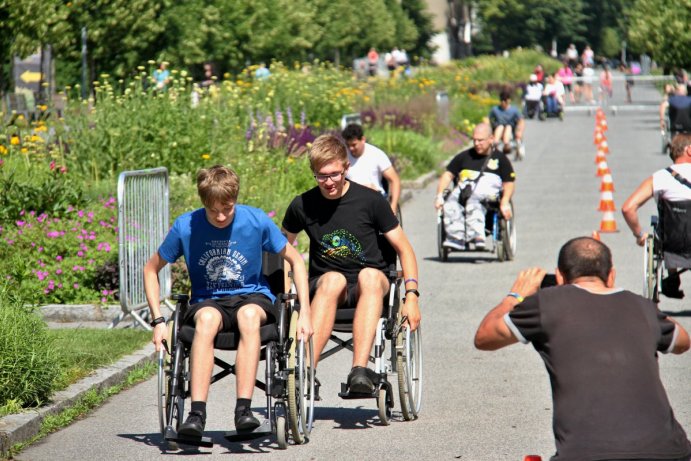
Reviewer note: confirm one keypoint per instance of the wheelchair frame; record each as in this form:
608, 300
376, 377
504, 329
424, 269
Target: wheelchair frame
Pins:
289, 384
405, 358
652, 263
503, 233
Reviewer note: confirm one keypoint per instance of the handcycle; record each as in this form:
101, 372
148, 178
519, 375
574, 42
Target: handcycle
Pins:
404, 358
289, 383
501, 233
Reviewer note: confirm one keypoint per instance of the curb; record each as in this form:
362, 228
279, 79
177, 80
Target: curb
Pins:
22, 427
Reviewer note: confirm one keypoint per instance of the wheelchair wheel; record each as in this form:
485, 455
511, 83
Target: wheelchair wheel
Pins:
300, 386
175, 394
164, 372
384, 407
282, 432
441, 235
653, 271
409, 369
506, 250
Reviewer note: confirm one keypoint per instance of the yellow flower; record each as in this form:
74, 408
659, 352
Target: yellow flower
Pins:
24, 150
3, 150
206, 156
14, 140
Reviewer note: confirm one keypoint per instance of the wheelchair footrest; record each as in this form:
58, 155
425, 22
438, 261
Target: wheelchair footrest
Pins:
172, 436
263, 430
347, 395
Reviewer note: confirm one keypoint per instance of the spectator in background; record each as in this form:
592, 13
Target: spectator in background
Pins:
540, 74
372, 62
572, 56
588, 57
565, 75
162, 76
578, 88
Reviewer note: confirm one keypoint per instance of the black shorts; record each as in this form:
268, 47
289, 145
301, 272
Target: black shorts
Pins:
567, 86
352, 293
229, 307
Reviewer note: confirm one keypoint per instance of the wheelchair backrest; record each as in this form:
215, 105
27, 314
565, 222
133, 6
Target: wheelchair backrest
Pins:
675, 226
273, 270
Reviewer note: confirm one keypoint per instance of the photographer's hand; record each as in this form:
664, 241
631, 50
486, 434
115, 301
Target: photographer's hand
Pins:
528, 281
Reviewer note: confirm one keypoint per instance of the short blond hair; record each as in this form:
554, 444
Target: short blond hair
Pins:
218, 184
327, 148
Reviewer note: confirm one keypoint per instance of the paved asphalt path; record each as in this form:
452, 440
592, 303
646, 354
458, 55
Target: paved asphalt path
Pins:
477, 406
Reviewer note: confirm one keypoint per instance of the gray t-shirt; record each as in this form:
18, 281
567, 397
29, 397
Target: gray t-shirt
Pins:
600, 351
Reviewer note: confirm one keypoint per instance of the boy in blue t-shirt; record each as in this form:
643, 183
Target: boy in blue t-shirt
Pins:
222, 244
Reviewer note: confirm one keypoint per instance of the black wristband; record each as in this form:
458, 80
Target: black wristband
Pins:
157, 320
414, 291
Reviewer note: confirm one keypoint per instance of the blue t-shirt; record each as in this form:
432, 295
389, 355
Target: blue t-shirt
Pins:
224, 262
499, 116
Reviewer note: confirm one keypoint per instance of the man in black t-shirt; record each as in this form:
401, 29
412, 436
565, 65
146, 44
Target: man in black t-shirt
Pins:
466, 224
599, 344
344, 222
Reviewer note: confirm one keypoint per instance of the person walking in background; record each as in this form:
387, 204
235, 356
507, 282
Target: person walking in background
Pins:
372, 62
605, 85
565, 75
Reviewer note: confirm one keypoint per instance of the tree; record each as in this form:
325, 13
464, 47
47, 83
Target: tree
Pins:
661, 28
422, 20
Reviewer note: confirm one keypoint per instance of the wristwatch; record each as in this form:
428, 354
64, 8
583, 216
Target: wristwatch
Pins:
157, 320
414, 291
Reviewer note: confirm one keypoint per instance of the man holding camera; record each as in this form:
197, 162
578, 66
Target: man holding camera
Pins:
486, 174
599, 344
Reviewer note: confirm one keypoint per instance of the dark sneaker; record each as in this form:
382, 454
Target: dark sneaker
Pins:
245, 420
670, 286
361, 380
479, 243
193, 426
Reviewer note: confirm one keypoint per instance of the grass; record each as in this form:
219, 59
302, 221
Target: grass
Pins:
79, 352
91, 400
84, 350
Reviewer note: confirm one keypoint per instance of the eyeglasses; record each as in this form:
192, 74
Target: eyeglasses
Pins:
333, 176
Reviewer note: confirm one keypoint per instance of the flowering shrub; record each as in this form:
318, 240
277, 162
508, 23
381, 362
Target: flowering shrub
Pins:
54, 259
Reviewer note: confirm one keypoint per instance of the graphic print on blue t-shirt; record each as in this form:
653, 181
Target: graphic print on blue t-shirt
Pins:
223, 266
341, 244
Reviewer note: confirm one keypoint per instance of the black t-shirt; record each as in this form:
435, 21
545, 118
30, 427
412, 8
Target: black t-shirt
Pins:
344, 233
467, 165
600, 351
680, 113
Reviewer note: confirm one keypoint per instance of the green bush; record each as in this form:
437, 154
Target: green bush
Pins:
28, 367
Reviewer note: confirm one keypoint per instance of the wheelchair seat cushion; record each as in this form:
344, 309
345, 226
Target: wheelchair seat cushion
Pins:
229, 340
229, 307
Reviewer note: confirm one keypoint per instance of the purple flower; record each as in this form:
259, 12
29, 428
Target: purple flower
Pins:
75, 286
80, 253
20, 223
271, 213
58, 271
58, 258
103, 300
104, 292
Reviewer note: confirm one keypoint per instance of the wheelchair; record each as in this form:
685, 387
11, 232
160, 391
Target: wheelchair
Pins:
532, 109
404, 357
503, 240
545, 114
666, 136
670, 214
288, 383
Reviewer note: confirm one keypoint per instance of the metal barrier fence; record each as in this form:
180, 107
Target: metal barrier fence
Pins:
143, 223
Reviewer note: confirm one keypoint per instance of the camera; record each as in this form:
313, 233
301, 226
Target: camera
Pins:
550, 280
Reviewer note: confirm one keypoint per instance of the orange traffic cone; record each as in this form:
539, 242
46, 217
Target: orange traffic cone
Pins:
604, 147
600, 157
598, 137
599, 114
603, 124
607, 184
532, 458
596, 235
602, 168
607, 201
608, 224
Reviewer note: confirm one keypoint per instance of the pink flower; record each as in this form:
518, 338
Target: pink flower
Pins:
20, 223
52, 165
271, 213
103, 300
104, 292
58, 271
80, 253
58, 258
75, 286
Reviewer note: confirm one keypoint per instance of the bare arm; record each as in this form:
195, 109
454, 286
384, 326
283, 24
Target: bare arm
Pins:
504, 205
682, 342
631, 206
405, 252
663, 114
152, 289
293, 257
394, 186
444, 181
520, 126
493, 333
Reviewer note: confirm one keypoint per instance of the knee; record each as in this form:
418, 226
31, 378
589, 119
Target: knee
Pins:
331, 283
371, 280
250, 317
207, 320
